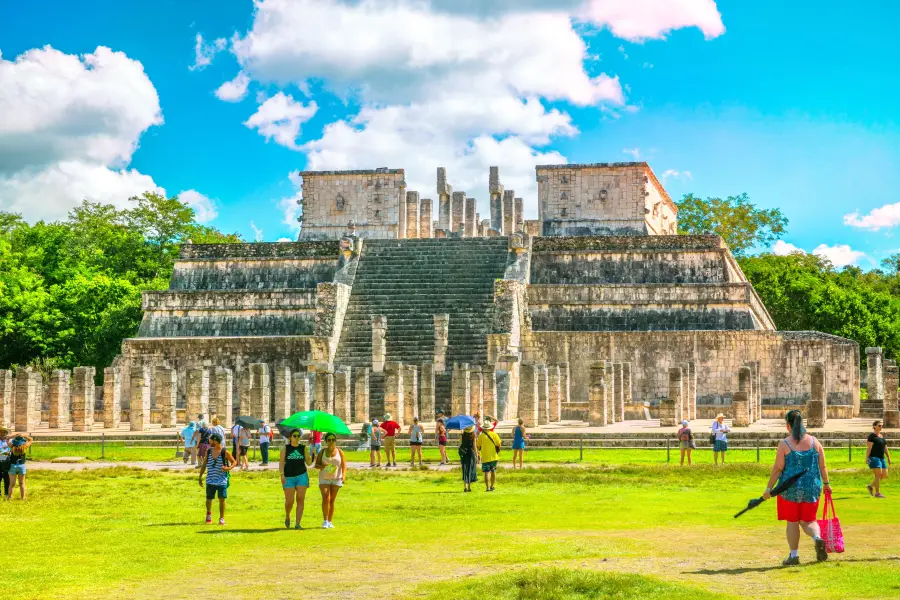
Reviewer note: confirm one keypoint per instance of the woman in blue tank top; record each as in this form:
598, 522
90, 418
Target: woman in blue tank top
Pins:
798, 505
518, 444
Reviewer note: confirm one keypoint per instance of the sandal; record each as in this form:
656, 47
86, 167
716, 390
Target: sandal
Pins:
871, 489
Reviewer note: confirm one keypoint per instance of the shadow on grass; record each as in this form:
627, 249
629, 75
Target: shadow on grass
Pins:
743, 570
219, 530
172, 524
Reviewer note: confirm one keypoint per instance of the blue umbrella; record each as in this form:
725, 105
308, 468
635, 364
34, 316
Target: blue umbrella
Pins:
459, 422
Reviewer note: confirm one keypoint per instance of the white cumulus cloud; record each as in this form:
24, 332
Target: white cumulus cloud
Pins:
69, 126
840, 255
234, 90
883, 217
674, 174
648, 19
205, 52
280, 118
204, 208
782, 248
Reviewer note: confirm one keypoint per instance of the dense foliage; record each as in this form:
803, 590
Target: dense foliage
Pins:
741, 224
70, 291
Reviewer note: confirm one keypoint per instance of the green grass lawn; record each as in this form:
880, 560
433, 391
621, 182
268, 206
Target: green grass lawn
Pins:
639, 531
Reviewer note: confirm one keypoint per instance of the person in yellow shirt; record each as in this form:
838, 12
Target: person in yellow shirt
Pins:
489, 449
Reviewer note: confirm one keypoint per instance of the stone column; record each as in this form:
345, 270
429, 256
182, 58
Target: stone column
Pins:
626, 383
518, 217
394, 402
325, 391
426, 389
444, 191
425, 219
112, 397
458, 208
489, 391
301, 392
874, 375
476, 387
543, 395
619, 388
441, 334
139, 400
496, 191
410, 392
471, 221
197, 393
60, 397
611, 414
379, 346
555, 393
361, 395
342, 393
597, 403
246, 384
891, 381
83, 394
221, 395
460, 398
29, 389
740, 401
565, 390
7, 399
260, 391
528, 395
668, 408
509, 207
751, 395
758, 391
166, 380
815, 406
412, 215
283, 393
691, 389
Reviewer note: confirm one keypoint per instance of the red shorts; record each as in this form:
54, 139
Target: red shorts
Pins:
797, 511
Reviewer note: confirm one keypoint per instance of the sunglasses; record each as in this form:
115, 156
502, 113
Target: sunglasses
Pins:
331, 439
295, 435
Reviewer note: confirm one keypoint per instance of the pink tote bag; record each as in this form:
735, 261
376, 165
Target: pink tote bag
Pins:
830, 528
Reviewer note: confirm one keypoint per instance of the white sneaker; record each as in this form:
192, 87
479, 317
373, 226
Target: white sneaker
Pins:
330, 525
324, 524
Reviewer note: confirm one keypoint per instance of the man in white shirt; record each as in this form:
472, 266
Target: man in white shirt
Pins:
265, 437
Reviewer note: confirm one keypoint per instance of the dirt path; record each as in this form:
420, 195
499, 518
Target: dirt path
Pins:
62, 465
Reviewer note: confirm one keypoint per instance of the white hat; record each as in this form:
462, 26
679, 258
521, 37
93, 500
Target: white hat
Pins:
684, 423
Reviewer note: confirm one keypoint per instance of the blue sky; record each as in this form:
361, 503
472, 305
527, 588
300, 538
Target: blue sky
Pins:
793, 103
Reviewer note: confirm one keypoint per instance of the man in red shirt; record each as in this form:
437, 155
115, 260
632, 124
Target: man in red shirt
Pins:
390, 446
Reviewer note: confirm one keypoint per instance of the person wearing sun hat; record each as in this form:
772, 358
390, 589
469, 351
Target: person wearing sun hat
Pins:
391, 428
685, 442
719, 429
489, 449
468, 457
376, 437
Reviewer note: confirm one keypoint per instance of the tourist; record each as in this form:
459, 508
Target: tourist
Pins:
216, 428
518, 444
235, 434
294, 476
489, 450
390, 440
4, 461
798, 505
244, 447
332, 474
201, 438
190, 444
440, 433
686, 442
17, 457
416, 437
315, 441
878, 458
217, 463
468, 457
265, 438
376, 435
719, 429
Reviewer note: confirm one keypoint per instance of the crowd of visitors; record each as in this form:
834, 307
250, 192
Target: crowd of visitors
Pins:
13, 456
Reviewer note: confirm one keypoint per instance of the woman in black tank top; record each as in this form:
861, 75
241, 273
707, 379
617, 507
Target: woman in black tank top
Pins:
294, 477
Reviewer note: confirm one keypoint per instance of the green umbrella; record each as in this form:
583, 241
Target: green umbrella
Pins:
318, 421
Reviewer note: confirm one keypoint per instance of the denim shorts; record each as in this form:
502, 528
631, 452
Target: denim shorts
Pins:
16, 469
720, 446
874, 463
211, 491
301, 480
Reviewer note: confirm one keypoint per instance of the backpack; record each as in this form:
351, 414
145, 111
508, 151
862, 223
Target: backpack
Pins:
223, 455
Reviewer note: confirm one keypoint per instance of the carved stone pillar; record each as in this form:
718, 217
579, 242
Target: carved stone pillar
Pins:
441, 334
518, 216
139, 400
555, 393
815, 406
197, 393
476, 387
668, 408
325, 391
342, 393
166, 386
626, 382
83, 395
489, 391
7, 399
426, 389
565, 389
597, 402
691, 387
891, 380
509, 207
379, 345
112, 396
221, 396
410, 393
444, 191
283, 394
611, 415
619, 388
425, 219
741, 400
412, 215
361, 395
543, 395
528, 395
245, 385
496, 191
60, 397
470, 219
459, 212
302, 400
394, 401
460, 391
28, 391
260, 391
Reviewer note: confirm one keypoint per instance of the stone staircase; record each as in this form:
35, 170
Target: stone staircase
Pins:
871, 409
409, 281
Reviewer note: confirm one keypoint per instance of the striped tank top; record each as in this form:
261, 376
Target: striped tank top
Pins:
215, 473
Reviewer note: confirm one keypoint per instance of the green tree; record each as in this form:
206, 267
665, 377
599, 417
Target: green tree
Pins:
740, 223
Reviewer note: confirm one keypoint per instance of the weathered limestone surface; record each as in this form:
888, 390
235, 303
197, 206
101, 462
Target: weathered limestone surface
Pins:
597, 402
565, 396
410, 392
283, 393
619, 391
668, 411
301, 396
394, 402
425, 219
471, 218
379, 345
361, 395
476, 387
460, 392
7, 399
509, 218
140, 396
245, 387
445, 210
325, 391
427, 392
342, 393
489, 392
441, 336
221, 396
197, 394
28, 391
543, 395
166, 387
554, 393
691, 388
740, 403
60, 397
260, 391
815, 408
518, 216
611, 413
412, 215
528, 395
496, 191
112, 396
891, 381
459, 212
83, 394
873, 406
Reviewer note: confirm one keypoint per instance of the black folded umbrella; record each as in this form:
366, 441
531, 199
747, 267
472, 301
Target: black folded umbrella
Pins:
782, 486
285, 430
248, 422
